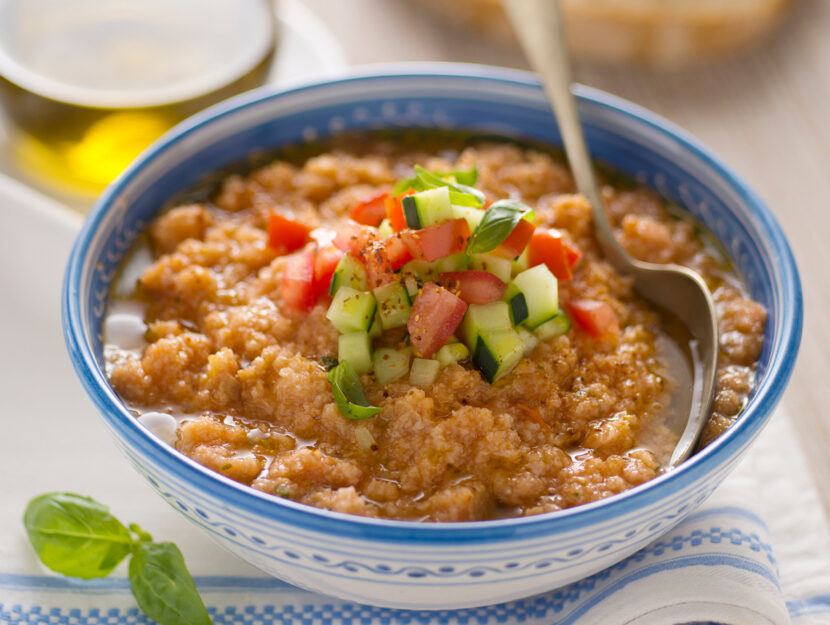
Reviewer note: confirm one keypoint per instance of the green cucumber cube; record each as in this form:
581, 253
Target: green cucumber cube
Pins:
450, 353
349, 272
499, 267
473, 216
539, 289
427, 208
557, 326
497, 352
484, 317
385, 229
393, 304
376, 329
351, 310
356, 347
454, 262
390, 364
529, 339
423, 372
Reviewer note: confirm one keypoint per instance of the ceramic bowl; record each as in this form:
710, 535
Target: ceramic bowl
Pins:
407, 564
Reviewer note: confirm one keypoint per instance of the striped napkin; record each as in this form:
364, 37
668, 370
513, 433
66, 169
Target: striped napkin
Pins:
758, 552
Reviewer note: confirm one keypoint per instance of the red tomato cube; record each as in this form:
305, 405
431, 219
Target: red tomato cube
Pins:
434, 318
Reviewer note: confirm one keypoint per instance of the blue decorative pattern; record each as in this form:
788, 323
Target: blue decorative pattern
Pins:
542, 607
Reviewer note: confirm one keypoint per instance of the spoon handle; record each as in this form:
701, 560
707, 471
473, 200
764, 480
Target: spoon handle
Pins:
538, 25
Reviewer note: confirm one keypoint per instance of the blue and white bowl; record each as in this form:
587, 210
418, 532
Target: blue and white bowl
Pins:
441, 565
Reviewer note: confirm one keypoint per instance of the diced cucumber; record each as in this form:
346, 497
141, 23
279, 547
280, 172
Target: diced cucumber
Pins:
351, 310
454, 262
393, 304
349, 272
497, 352
357, 349
450, 353
534, 296
518, 305
390, 364
520, 264
427, 208
385, 229
376, 329
423, 372
473, 216
421, 270
499, 267
484, 317
557, 326
529, 339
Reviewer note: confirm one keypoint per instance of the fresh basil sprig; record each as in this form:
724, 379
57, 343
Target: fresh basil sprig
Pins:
465, 177
496, 225
430, 181
349, 393
79, 537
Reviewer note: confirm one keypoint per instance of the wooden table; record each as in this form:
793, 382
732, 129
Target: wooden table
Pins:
766, 113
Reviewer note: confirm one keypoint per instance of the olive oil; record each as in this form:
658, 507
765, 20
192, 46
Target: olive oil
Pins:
88, 84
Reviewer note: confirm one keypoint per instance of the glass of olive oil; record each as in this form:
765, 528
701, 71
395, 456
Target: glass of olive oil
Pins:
88, 84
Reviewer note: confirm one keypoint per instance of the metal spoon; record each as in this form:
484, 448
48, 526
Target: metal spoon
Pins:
538, 25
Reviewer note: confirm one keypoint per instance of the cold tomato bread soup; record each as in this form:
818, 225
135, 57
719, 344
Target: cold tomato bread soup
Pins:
413, 333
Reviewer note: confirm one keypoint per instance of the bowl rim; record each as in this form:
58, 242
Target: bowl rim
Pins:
735, 439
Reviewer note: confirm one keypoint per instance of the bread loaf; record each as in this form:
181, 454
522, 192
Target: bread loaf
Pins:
663, 33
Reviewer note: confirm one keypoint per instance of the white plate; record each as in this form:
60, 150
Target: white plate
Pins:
306, 48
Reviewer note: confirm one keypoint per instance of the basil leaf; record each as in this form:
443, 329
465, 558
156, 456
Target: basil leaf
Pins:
406, 185
349, 394
464, 199
163, 587
466, 177
498, 222
431, 181
75, 535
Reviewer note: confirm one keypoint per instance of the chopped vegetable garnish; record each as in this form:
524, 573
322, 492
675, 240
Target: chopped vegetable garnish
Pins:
549, 247
474, 287
438, 241
354, 238
325, 263
298, 281
434, 255
517, 240
349, 394
435, 316
370, 211
286, 235
498, 222
597, 318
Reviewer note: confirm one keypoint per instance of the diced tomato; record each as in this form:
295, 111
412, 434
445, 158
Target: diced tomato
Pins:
383, 258
394, 210
324, 265
298, 281
550, 248
354, 238
434, 318
516, 241
438, 241
286, 235
474, 287
370, 211
597, 318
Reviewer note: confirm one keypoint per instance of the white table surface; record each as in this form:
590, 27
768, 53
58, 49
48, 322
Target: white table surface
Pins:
766, 113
